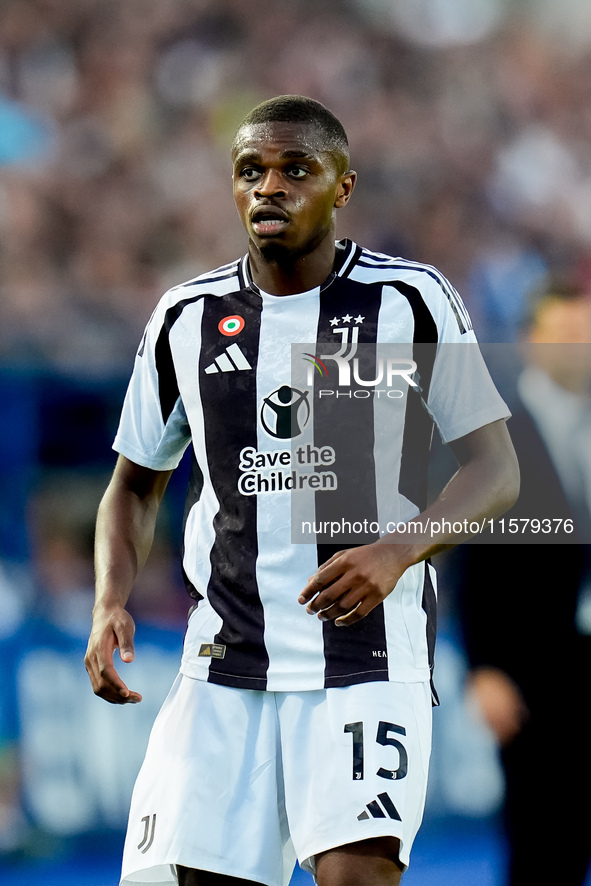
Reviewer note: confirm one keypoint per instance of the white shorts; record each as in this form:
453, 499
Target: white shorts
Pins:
241, 782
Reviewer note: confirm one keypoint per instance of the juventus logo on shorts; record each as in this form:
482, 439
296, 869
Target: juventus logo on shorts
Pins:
149, 827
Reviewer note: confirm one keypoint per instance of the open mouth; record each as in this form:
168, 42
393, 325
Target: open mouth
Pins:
268, 222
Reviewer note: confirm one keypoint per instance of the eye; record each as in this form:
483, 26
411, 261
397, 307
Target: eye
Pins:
297, 172
249, 173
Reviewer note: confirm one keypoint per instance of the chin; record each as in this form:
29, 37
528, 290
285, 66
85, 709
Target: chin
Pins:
276, 252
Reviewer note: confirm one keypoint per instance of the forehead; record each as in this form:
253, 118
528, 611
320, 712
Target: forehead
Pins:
262, 139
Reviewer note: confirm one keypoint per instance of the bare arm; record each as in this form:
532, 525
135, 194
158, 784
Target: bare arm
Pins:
349, 585
124, 533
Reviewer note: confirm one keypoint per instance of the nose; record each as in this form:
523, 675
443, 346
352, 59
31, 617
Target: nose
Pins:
270, 184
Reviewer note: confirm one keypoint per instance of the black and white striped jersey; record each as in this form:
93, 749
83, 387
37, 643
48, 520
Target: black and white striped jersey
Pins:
215, 369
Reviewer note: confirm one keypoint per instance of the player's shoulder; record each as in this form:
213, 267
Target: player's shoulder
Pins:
413, 278
389, 267
216, 282
183, 296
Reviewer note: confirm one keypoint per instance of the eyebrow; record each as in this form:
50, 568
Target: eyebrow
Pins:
254, 156
301, 154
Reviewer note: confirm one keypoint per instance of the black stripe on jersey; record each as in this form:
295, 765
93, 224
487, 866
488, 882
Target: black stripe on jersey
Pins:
457, 306
378, 259
418, 424
231, 264
221, 273
230, 409
142, 347
346, 258
211, 279
244, 273
193, 495
168, 388
356, 654
456, 302
429, 604
451, 293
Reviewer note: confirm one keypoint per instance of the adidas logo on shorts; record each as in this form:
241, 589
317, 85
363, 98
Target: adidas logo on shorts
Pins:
377, 811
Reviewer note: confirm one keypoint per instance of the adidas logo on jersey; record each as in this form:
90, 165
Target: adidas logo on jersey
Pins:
377, 811
230, 360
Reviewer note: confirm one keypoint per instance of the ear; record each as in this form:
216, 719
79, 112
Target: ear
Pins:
344, 189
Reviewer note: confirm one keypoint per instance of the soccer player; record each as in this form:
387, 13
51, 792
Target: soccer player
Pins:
299, 724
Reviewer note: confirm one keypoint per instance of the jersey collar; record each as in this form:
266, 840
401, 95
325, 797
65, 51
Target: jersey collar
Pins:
347, 253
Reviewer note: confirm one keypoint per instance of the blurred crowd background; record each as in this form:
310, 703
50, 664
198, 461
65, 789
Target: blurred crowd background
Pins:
470, 128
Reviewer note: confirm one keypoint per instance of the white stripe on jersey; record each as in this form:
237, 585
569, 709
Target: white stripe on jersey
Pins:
290, 633
344, 270
199, 529
406, 622
395, 323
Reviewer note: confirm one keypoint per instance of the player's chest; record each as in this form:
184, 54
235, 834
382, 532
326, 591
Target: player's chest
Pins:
246, 345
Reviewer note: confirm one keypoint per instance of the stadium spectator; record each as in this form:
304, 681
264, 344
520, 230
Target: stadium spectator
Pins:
526, 609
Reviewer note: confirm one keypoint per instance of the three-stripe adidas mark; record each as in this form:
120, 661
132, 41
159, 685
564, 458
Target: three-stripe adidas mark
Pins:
232, 358
376, 811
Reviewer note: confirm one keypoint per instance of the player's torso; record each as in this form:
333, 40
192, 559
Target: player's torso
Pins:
284, 443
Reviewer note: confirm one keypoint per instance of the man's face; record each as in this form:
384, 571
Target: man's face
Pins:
560, 342
286, 188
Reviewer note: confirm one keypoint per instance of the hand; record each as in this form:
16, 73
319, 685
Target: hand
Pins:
110, 630
500, 702
353, 582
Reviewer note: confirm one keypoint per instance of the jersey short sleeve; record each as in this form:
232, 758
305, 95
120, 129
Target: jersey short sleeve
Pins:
462, 395
148, 434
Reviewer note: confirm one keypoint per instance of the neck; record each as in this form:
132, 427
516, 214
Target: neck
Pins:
287, 275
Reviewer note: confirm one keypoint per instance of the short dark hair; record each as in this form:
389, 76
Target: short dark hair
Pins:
300, 109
